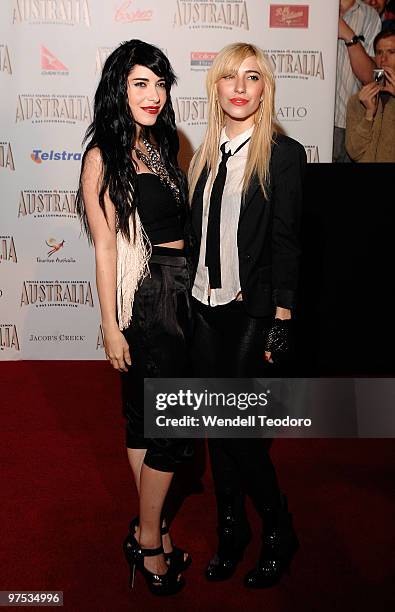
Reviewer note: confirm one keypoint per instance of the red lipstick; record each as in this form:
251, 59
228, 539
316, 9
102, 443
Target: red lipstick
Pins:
238, 101
152, 110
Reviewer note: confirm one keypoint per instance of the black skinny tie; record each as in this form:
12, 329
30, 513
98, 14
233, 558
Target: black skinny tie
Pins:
213, 258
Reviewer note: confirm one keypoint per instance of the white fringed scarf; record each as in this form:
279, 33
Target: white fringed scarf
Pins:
132, 268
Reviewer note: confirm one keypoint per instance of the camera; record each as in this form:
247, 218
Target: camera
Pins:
379, 76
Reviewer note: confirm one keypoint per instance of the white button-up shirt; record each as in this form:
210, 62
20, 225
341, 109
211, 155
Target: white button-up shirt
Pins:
230, 212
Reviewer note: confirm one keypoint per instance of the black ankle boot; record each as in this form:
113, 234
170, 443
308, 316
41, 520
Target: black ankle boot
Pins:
234, 534
279, 544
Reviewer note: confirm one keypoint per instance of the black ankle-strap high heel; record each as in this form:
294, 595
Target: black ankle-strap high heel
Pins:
175, 559
159, 584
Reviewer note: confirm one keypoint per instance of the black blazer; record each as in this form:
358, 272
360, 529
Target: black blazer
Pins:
268, 231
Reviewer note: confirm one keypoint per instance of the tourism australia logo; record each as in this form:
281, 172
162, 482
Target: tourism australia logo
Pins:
53, 246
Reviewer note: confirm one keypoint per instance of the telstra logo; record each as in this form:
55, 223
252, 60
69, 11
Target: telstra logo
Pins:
39, 156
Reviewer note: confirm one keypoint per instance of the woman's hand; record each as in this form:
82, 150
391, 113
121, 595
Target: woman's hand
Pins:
368, 96
116, 349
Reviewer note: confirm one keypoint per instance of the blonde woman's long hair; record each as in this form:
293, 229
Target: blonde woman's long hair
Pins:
228, 62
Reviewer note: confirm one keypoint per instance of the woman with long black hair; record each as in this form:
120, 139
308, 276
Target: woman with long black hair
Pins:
246, 194
132, 201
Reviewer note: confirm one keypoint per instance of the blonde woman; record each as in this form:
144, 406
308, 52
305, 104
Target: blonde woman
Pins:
246, 193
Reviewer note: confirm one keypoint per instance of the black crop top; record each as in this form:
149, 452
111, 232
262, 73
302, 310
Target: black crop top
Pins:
158, 210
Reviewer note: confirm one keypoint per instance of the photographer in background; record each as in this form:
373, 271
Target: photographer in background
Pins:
370, 128
358, 25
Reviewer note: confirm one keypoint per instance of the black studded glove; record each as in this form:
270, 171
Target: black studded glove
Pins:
278, 340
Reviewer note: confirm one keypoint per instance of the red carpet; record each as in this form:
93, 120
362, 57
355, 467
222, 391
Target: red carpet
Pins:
67, 497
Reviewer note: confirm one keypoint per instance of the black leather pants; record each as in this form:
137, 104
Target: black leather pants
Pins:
230, 343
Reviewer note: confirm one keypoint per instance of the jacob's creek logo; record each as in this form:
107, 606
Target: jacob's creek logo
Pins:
5, 62
191, 111
312, 153
217, 14
53, 109
291, 113
38, 156
296, 64
51, 65
6, 156
7, 249
34, 337
50, 203
53, 247
202, 60
289, 16
100, 339
8, 337
42, 294
62, 12
128, 11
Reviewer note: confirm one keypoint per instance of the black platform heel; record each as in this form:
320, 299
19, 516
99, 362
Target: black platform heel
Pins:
159, 584
174, 559
279, 545
130, 543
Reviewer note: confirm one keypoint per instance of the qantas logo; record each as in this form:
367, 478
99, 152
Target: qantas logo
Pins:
50, 63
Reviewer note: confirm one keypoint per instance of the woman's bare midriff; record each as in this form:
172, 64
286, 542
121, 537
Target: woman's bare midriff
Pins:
176, 244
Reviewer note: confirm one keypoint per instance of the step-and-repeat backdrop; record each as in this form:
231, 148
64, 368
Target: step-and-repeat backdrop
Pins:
51, 56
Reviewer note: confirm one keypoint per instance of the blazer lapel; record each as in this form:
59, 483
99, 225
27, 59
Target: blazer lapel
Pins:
251, 191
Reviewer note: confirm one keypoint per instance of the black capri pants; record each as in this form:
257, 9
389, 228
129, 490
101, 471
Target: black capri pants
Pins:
158, 336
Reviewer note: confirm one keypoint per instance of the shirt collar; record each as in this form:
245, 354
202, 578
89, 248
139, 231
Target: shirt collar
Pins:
353, 8
236, 141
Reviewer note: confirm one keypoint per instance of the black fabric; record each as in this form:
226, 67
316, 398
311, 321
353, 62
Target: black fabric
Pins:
158, 210
243, 465
213, 259
227, 342
158, 337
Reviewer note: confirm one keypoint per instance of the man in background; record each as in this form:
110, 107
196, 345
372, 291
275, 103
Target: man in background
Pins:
386, 10
358, 26
370, 131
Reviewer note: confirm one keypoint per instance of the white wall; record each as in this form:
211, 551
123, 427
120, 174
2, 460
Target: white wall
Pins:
51, 54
